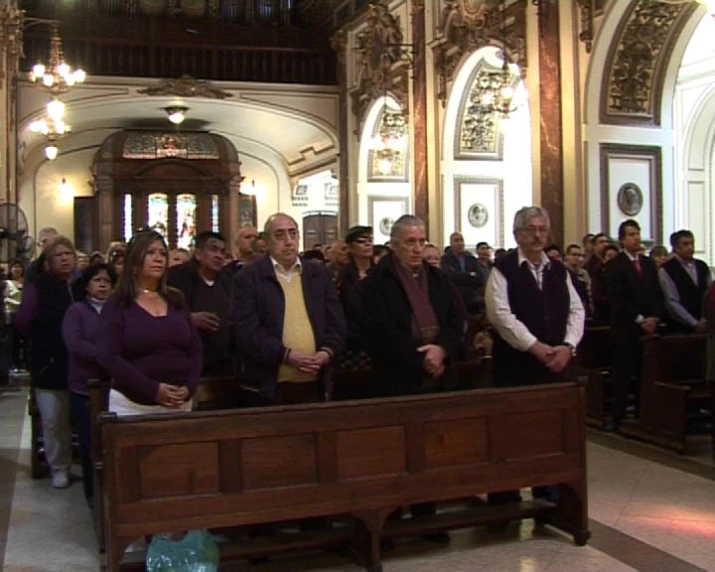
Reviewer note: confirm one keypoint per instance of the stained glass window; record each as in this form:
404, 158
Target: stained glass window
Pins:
158, 218
128, 217
185, 220
214, 213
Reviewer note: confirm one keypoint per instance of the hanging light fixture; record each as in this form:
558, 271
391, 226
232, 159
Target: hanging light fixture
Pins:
390, 139
51, 151
57, 76
176, 113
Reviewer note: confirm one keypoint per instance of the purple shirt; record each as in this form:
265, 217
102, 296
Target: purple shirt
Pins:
139, 351
79, 332
28, 309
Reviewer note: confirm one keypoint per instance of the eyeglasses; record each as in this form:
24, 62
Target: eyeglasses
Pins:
536, 230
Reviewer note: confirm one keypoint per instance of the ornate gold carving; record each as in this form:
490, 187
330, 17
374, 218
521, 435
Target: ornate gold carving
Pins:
588, 8
637, 63
185, 86
467, 25
381, 63
339, 43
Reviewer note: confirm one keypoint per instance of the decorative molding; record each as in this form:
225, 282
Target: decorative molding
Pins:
638, 60
653, 157
467, 25
185, 86
339, 44
478, 136
381, 63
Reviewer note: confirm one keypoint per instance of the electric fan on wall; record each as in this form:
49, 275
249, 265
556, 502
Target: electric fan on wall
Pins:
15, 241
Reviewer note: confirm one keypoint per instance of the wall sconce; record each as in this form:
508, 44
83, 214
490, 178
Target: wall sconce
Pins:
66, 190
176, 113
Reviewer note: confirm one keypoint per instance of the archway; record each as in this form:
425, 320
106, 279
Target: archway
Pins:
486, 160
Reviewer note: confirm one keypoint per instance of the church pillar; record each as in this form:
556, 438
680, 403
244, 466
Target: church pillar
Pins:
10, 42
419, 113
552, 181
339, 44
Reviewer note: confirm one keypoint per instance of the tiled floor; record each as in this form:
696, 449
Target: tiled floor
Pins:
650, 511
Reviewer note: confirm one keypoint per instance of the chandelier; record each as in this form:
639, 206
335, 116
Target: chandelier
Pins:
53, 126
390, 140
496, 91
57, 76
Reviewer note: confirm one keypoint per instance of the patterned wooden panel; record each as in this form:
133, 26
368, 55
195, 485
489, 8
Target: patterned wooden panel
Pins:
455, 443
375, 452
272, 462
178, 470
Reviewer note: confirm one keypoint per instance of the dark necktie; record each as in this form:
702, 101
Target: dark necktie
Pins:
637, 265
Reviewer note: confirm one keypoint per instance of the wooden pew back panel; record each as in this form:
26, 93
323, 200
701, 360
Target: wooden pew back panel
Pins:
199, 470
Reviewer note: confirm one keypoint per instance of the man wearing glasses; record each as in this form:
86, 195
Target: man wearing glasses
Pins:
534, 307
289, 323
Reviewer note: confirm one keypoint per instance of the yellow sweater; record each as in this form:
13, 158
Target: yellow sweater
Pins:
297, 329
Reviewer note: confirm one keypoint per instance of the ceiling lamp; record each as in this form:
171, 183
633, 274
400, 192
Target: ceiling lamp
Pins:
390, 140
57, 76
51, 151
496, 91
176, 114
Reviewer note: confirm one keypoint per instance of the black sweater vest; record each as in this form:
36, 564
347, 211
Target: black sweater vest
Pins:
691, 294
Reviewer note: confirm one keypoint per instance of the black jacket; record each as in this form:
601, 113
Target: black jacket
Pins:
387, 328
632, 295
468, 281
185, 277
350, 291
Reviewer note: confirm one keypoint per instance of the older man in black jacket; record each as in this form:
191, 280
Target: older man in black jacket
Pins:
411, 325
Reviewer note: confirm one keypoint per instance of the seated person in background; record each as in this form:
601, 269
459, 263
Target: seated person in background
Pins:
206, 286
685, 280
178, 256
462, 268
659, 255
360, 265
432, 256
80, 329
148, 343
411, 327
289, 324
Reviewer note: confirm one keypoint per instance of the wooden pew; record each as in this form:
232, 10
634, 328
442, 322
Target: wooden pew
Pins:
674, 392
593, 360
365, 458
212, 393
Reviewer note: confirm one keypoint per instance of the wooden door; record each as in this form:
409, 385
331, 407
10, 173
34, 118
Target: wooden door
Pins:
86, 224
319, 227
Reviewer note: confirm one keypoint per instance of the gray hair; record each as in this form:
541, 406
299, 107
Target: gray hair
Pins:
403, 222
46, 231
272, 218
522, 216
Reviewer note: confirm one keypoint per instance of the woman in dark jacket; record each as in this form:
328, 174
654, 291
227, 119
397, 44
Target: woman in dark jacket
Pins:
80, 329
39, 318
360, 251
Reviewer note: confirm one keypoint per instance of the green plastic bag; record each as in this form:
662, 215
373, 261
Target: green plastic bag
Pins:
196, 552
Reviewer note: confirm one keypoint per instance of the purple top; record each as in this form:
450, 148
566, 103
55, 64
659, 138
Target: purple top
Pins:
139, 351
27, 310
79, 332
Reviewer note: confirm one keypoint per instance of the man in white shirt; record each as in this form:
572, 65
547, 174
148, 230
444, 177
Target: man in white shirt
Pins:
532, 304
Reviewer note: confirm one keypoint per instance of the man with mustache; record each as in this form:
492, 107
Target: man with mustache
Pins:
537, 314
289, 323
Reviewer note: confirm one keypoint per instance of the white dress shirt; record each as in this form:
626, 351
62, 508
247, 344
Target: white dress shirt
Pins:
512, 330
287, 275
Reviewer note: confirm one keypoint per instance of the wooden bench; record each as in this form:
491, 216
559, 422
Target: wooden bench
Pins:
593, 360
364, 458
675, 397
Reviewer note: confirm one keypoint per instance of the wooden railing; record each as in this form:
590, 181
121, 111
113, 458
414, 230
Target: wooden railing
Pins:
154, 47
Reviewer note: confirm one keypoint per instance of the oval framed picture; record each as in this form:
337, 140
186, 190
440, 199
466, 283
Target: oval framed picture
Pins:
478, 215
386, 225
630, 199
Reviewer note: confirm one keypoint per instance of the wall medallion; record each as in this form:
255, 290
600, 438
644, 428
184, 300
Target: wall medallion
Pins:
478, 215
386, 225
630, 199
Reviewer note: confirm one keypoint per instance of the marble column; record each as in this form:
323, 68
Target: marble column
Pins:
552, 179
11, 19
419, 113
339, 44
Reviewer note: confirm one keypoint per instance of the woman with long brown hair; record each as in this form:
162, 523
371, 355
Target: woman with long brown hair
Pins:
39, 318
148, 344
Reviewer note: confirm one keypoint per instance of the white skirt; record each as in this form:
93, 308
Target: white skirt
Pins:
122, 406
